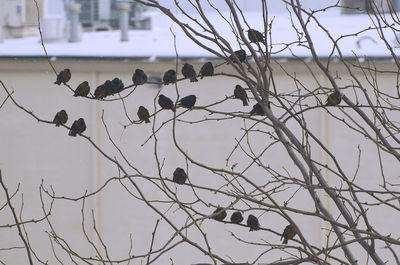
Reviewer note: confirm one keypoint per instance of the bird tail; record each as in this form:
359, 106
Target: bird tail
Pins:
245, 102
58, 124
193, 79
147, 120
285, 240
71, 133
57, 83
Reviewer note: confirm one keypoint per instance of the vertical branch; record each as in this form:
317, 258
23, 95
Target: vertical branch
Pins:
28, 252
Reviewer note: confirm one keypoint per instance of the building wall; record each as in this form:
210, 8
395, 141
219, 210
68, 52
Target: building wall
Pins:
32, 152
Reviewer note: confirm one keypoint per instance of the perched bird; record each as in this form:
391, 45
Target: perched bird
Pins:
108, 87
60, 118
166, 103
189, 72
169, 77
255, 36
188, 101
63, 77
257, 110
288, 233
82, 90
221, 214
100, 92
116, 85
241, 94
333, 99
139, 77
77, 127
143, 114
252, 222
240, 54
236, 217
207, 70
179, 176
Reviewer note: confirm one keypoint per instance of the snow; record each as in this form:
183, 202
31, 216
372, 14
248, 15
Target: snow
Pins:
159, 42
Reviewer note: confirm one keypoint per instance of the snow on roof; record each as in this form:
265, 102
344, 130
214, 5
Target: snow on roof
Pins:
159, 42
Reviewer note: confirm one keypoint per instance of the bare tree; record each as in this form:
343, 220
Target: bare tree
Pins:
282, 178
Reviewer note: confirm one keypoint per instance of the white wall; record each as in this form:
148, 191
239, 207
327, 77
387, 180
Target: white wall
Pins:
31, 151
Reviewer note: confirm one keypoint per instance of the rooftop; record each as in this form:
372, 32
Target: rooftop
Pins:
355, 39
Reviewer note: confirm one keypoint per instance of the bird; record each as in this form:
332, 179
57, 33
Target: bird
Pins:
240, 54
100, 92
241, 94
166, 103
220, 214
236, 217
189, 72
116, 85
139, 77
257, 110
108, 88
169, 77
188, 101
255, 36
143, 114
77, 127
333, 99
63, 77
288, 233
253, 223
82, 90
207, 70
180, 176
60, 118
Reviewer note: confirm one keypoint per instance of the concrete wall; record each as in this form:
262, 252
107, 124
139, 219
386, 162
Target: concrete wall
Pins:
32, 152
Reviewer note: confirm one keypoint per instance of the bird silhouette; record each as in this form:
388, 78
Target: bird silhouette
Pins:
189, 72
82, 90
220, 214
169, 77
116, 86
77, 127
236, 217
240, 54
288, 233
188, 101
143, 114
63, 77
207, 70
139, 77
241, 94
255, 36
60, 118
100, 92
257, 110
180, 176
253, 223
166, 103
333, 99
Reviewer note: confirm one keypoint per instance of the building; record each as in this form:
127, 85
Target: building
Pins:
18, 18
34, 150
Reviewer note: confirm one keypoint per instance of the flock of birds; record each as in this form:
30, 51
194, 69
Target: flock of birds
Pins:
180, 177
111, 87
